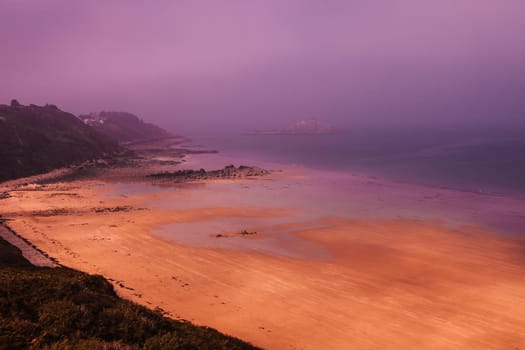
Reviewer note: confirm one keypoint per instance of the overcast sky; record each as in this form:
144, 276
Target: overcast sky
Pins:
255, 64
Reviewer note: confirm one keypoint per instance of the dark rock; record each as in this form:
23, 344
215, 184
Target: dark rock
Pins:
15, 103
229, 171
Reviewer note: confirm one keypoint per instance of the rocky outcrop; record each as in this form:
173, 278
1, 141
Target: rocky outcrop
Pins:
229, 171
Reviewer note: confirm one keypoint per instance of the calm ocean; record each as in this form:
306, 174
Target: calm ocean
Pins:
479, 164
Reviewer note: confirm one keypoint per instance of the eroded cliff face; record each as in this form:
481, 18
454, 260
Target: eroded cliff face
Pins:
36, 139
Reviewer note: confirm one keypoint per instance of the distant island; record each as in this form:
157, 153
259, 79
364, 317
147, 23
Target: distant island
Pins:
303, 127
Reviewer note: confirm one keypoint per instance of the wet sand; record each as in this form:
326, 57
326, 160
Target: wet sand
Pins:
32, 254
353, 283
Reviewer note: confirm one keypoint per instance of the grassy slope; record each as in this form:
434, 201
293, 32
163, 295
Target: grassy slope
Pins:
66, 309
36, 139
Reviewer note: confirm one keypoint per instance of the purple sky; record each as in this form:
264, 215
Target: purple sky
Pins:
255, 64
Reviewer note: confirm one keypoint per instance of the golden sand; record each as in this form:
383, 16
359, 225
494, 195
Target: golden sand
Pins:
394, 284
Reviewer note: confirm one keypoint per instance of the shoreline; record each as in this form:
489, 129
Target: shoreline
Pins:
29, 251
373, 170
275, 301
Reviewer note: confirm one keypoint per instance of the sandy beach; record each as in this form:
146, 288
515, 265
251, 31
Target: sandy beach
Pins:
281, 175
332, 281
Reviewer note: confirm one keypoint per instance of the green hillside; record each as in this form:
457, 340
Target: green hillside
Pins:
60, 308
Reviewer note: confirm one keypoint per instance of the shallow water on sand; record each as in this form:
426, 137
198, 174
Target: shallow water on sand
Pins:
306, 199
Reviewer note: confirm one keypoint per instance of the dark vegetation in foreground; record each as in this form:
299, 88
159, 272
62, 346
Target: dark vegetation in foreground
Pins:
61, 308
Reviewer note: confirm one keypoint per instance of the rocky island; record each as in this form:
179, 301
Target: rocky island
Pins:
302, 127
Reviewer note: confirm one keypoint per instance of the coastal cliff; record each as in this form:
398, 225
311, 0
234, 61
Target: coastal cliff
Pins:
123, 127
35, 139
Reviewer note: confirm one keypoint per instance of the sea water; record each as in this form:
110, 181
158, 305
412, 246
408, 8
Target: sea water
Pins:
454, 181
479, 163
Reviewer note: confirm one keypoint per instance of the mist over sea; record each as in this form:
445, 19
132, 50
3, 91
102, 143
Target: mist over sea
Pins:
464, 161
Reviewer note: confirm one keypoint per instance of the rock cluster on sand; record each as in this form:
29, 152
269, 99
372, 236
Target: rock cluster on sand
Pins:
229, 171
